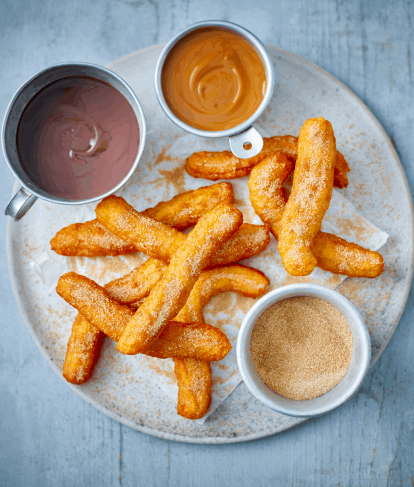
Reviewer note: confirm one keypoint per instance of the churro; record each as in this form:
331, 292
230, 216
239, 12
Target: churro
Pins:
224, 165
310, 196
89, 239
131, 289
266, 191
171, 292
194, 376
161, 241
185, 209
83, 350
179, 340
85, 341
237, 278
92, 239
332, 253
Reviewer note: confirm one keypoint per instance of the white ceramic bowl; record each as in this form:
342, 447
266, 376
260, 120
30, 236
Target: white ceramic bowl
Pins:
340, 394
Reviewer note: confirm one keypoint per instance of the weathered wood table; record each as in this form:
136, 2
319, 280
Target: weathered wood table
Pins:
48, 435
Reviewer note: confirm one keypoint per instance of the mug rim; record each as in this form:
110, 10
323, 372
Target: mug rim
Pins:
141, 125
259, 47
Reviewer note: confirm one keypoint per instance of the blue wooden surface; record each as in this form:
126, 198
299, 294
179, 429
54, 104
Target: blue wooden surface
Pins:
48, 435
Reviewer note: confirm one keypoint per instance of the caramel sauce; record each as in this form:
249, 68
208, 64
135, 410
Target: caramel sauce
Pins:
213, 79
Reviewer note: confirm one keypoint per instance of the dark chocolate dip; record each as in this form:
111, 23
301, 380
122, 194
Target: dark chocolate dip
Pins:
78, 138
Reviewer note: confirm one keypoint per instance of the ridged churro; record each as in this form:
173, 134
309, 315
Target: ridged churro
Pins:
185, 209
339, 256
266, 189
92, 239
161, 241
224, 165
194, 387
171, 292
237, 278
89, 239
179, 340
332, 253
194, 376
135, 286
85, 341
310, 196
83, 350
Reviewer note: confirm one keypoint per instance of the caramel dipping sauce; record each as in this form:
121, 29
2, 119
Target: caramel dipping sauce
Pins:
213, 79
78, 138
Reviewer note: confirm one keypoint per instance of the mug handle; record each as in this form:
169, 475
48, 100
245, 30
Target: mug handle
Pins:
249, 137
20, 204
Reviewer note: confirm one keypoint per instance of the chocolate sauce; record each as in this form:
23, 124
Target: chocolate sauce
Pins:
78, 138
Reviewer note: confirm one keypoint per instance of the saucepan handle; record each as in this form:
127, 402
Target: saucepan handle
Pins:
246, 144
20, 204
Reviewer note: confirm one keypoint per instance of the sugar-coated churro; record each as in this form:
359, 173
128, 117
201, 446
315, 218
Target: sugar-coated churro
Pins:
92, 239
194, 387
179, 340
332, 253
185, 209
171, 292
138, 283
83, 350
194, 376
339, 256
224, 165
310, 196
89, 239
237, 278
161, 241
266, 189
247, 241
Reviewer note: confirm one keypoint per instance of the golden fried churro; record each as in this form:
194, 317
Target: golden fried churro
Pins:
237, 278
161, 242
224, 165
180, 340
84, 347
310, 196
171, 292
266, 189
86, 340
249, 240
194, 376
83, 352
190, 340
185, 209
332, 253
194, 387
148, 235
138, 283
91, 239
338, 256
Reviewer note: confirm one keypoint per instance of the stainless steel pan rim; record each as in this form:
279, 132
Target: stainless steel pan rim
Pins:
11, 154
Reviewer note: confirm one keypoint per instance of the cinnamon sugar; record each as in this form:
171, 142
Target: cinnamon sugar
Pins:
301, 347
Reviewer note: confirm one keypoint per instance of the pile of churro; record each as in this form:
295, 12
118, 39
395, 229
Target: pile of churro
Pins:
157, 309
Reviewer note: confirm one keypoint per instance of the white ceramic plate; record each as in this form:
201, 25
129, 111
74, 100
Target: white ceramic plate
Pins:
378, 189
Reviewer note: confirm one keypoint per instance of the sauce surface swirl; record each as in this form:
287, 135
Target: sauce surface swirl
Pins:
78, 138
213, 79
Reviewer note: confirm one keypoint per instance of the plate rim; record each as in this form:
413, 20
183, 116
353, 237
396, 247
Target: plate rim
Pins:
213, 440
